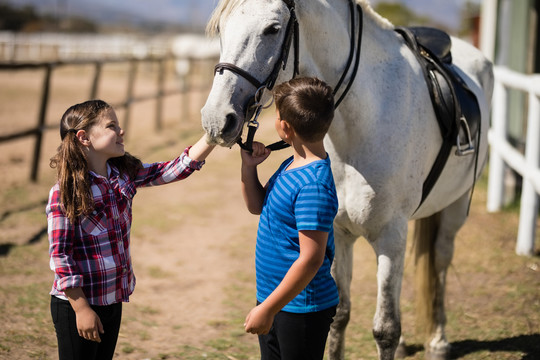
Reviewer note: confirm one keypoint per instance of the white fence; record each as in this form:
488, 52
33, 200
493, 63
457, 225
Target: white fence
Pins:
21, 47
503, 154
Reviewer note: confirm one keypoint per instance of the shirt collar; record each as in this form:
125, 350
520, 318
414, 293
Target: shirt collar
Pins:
111, 171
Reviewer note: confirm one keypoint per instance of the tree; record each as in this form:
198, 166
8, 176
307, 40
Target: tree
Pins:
14, 19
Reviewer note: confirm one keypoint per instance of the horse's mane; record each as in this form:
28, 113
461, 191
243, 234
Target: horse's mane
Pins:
225, 7
379, 20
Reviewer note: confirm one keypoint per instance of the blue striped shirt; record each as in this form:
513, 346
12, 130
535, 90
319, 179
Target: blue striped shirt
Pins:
303, 198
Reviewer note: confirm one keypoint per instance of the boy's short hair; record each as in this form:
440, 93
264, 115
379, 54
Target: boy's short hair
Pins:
307, 104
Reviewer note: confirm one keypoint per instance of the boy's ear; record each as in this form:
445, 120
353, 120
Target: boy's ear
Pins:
287, 128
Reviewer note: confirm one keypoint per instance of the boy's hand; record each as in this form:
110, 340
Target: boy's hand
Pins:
259, 154
258, 321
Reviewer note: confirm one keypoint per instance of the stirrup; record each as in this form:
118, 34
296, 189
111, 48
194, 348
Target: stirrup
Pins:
468, 148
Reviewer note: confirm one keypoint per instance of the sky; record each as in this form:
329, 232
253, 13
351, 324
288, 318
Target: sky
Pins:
445, 12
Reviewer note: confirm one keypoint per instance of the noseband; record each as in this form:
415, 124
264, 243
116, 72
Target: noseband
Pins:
292, 33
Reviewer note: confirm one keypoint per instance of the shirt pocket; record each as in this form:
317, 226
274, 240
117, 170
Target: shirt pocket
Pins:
95, 223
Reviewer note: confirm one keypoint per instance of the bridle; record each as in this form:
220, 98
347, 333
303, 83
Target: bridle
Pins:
291, 34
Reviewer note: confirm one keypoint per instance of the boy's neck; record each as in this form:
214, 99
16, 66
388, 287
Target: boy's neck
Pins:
305, 153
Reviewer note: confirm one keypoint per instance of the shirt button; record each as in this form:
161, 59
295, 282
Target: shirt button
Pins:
110, 191
124, 270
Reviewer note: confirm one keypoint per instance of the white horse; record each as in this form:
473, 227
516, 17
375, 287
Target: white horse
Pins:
383, 141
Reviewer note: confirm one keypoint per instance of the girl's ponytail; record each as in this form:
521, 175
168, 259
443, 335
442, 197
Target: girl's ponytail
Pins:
70, 160
72, 175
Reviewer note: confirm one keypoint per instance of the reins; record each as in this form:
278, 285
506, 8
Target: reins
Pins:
292, 35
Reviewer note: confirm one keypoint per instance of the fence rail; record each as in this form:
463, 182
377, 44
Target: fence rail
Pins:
503, 154
49, 67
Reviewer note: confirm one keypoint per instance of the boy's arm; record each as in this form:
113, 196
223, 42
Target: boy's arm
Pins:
252, 189
302, 271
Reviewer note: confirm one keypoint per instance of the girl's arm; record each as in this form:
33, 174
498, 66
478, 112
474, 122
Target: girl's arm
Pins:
302, 271
166, 172
252, 189
201, 149
60, 232
88, 323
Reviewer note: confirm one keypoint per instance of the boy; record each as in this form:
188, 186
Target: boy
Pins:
296, 295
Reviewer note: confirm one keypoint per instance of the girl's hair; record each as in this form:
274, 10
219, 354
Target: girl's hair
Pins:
307, 104
71, 162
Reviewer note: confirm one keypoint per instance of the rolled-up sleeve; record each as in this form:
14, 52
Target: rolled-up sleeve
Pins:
61, 234
166, 172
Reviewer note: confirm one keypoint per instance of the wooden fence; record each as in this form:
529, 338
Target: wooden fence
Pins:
503, 153
161, 92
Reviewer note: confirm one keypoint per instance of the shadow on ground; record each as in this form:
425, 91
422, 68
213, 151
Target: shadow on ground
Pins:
527, 344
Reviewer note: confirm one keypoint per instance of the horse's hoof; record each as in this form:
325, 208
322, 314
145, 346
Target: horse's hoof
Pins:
401, 351
438, 354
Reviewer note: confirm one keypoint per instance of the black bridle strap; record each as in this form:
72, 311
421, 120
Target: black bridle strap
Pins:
358, 51
292, 34
351, 51
235, 69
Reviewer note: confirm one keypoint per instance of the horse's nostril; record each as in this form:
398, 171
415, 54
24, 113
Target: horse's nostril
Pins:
230, 123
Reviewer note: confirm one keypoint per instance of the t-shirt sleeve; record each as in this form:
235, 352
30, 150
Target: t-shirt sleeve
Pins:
315, 208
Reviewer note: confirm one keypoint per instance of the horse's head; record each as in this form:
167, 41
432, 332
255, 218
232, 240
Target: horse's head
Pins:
254, 38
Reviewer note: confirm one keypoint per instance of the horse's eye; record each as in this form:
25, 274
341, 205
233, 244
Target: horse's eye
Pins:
272, 29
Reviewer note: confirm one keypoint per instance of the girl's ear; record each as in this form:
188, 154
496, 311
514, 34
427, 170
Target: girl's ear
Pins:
82, 136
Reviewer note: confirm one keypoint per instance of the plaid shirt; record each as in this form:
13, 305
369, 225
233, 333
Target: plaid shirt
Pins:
93, 253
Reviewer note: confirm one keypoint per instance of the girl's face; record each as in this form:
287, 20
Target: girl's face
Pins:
106, 136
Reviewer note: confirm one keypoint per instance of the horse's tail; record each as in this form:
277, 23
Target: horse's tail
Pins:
425, 232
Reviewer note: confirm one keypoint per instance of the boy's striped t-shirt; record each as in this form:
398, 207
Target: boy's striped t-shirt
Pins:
299, 199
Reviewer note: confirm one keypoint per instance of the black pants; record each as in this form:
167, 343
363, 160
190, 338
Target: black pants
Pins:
297, 336
73, 347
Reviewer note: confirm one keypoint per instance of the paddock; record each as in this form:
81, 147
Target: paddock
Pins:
193, 248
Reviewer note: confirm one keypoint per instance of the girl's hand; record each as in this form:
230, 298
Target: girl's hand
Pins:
259, 154
89, 325
258, 321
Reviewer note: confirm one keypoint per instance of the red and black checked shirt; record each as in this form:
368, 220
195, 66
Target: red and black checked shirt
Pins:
93, 253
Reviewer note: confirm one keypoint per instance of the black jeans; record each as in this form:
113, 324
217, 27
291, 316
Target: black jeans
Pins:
73, 347
297, 336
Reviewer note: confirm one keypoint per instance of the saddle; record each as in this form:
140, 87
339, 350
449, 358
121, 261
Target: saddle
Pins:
455, 105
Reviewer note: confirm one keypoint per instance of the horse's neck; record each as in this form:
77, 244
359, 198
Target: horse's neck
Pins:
380, 60
330, 25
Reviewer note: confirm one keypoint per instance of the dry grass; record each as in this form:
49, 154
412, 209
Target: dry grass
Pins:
192, 245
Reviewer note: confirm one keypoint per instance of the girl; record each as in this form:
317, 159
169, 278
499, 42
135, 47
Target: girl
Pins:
89, 221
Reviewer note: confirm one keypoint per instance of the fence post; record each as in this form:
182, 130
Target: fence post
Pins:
160, 90
529, 199
495, 196
129, 95
41, 122
95, 82
186, 86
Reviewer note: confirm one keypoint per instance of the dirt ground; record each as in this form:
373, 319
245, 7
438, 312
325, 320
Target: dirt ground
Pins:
193, 254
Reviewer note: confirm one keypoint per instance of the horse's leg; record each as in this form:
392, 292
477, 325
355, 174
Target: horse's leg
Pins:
390, 249
342, 273
446, 225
